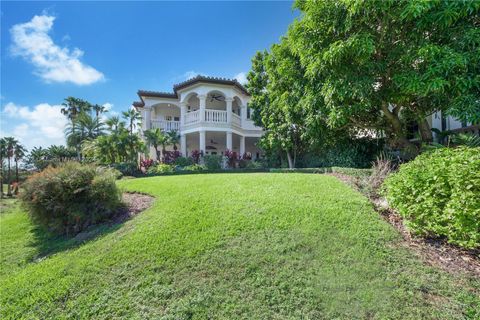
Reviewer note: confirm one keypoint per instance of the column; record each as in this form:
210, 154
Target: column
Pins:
147, 118
243, 115
201, 143
203, 101
183, 145
183, 112
229, 140
229, 109
242, 146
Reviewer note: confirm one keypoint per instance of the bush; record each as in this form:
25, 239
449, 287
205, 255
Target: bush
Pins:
213, 162
438, 193
69, 198
163, 168
126, 168
183, 161
194, 167
255, 165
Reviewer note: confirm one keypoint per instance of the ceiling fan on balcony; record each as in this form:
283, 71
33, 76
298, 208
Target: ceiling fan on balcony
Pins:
216, 97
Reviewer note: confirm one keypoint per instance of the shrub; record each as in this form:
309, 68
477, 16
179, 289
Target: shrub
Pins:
183, 161
169, 157
213, 162
147, 163
69, 198
196, 156
194, 167
163, 168
126, 168
438, 193
255, 165
232, 158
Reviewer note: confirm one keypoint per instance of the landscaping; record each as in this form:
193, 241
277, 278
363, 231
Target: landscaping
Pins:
272, 246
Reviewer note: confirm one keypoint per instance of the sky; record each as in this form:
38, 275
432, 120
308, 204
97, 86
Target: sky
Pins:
104, 52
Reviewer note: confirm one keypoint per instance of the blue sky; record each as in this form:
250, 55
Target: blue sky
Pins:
105, 51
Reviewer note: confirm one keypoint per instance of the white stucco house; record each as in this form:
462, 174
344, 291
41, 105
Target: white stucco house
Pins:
211, 115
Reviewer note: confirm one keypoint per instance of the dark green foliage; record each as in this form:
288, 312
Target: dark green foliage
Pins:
69, 198
126, 168
348, 171
213, 162
183, 161
438, 194
194, 167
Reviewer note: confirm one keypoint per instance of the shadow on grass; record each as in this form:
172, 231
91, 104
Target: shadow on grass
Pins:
47, 243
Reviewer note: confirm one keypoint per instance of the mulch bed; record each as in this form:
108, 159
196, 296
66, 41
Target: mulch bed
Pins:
433, 251
134, 203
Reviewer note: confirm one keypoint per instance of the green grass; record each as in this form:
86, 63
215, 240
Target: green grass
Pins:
229, 246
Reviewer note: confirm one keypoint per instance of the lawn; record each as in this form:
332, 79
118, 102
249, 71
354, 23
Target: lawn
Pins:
229, 246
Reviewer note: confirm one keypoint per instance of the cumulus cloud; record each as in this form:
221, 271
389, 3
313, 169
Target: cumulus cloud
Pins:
42, 125
52, 63
241, 77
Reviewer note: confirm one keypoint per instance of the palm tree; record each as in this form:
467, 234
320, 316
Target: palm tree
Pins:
133, 117
99, 109
3, 154
83, 127
173, 138
18, 153
156, 137
73, 106
10, 143
114, 124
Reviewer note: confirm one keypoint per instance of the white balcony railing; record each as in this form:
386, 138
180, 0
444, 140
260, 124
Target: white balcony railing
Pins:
236, 120
166, 125
215, 116
192, 117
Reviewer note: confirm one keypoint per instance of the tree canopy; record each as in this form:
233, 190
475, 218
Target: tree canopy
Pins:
375, 65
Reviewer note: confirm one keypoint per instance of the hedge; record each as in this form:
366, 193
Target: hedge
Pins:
438, 194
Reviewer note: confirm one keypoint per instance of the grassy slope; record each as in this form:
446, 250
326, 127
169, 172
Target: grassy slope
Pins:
231, 246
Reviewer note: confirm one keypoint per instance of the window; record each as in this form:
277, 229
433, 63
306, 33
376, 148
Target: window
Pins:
248, 113
168, 118
176, 118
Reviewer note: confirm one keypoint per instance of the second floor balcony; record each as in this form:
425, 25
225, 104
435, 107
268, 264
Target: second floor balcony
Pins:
209, 117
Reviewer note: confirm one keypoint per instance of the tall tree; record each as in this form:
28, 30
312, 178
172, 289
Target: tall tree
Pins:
173, 138
155, 137
10, 144
18, 154
3, 155
133, 117
379, 64
74, 106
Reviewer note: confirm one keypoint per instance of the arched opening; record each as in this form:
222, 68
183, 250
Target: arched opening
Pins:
216, 100
237, 106
166, 116
192, 102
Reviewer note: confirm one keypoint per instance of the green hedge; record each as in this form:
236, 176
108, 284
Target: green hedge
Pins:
348, 171
438, 194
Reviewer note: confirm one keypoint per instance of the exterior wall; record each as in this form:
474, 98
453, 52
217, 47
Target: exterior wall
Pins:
215, 124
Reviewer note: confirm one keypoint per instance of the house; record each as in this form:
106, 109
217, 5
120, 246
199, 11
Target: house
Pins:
210, 114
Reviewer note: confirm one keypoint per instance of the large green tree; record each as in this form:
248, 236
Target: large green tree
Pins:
379, 64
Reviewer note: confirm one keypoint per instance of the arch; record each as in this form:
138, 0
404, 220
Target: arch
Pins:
216, 99
241, 99
185, 98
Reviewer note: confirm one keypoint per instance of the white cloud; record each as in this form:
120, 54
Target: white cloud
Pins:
108, 106
42, 125
191, 74
241, 77
52, 63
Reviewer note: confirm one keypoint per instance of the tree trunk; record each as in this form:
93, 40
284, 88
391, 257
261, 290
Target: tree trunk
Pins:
291, 161
9, 189
425, 131
400, 139
1, 177
16, 170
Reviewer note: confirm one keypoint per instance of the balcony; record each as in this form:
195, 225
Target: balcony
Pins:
211, 117
166, 125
